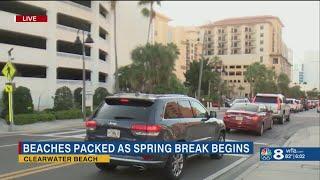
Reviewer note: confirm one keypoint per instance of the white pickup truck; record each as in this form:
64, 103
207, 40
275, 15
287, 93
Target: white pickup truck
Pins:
277, 104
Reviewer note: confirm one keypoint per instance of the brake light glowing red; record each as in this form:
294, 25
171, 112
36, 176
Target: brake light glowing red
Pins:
91, 125
124, 100
226, 116
255, 118
145, 130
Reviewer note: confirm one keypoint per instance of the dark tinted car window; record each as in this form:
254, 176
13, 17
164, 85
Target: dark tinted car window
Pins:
265, 99
185, 109
198, 110
171, 111
124, 109
245, 107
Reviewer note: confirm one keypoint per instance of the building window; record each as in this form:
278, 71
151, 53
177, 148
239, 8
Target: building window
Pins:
232, 73
103, 33
70, 47
239, 81
261, 35
245, 66
261, 49
234, 81
261, 41
261, 27
244, 81
209, 39
234, 51
209, 45
209, 53
21, 39
84, 3
231, 67
209, 32
103, 11
238, 73
230, 81
103, 55
103, 77
72, 74
21, 8
261, 59
248, 51
275, 61
238, 66
73, 22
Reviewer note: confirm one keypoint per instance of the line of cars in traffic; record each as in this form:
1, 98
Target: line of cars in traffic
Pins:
175, 118
260, 113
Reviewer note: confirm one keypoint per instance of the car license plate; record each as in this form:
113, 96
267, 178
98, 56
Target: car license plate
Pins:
239, 118
114, 133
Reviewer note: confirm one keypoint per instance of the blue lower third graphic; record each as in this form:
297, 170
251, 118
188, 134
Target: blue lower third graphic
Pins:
290, 154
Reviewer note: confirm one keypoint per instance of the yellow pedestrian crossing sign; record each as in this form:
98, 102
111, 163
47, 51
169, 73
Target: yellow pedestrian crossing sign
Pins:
8, 88
9, 71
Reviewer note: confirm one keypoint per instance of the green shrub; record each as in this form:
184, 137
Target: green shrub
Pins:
21, 119
63, 99
99, 94
77, 97
22, 101
68, 114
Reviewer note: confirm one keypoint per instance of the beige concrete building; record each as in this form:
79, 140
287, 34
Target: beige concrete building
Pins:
241, 41
189, 44
160, 29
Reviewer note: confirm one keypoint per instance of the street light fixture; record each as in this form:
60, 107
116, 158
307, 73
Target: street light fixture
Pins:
82, 43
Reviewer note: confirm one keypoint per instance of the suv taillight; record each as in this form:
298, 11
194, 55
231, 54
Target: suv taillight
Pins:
91, 125
145, 130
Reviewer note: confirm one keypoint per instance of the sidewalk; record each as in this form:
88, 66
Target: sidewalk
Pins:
42, 126
296, 170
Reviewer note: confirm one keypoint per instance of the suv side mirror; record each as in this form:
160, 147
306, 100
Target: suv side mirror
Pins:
213, 114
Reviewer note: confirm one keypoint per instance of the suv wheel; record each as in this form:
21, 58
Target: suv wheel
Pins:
261, 130
288, 118
282, 119
106, 166
217, 155
174, 166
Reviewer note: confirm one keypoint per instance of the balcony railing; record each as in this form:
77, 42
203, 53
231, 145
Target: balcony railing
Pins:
74, 56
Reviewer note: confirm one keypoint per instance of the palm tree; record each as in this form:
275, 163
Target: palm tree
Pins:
114, 10
150, 13
240, 88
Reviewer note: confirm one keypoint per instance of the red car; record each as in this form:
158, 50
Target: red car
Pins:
248, 116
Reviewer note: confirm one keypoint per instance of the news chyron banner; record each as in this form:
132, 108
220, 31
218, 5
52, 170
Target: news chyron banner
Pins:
289, 154
102, 152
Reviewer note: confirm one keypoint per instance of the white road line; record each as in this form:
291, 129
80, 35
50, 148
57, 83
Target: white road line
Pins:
8, 145
227, 168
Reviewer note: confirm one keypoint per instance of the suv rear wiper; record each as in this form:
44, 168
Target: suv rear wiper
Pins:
122, 117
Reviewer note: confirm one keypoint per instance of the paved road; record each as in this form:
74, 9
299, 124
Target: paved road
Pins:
200, 167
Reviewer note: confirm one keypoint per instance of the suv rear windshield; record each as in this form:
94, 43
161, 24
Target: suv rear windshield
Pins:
245, 107
124, 109
266, 99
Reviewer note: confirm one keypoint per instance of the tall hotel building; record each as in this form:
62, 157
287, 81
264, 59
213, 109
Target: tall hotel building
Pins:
44, 53
242, 41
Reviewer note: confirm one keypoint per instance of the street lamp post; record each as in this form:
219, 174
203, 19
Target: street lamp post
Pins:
82, 43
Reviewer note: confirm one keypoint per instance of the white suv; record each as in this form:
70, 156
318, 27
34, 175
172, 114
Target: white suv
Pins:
276, 103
